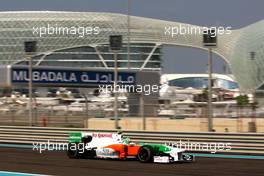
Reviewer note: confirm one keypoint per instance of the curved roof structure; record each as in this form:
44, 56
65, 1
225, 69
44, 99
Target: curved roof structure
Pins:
235, 48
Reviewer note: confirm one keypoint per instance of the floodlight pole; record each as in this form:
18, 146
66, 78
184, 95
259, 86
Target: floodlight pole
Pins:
30, 48
115, 46
30, 90
253, 116
210, 41
128, 34
210, 109
115, 91
86, 125
142, 113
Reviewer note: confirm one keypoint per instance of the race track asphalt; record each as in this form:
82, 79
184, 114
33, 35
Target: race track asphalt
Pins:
57, 163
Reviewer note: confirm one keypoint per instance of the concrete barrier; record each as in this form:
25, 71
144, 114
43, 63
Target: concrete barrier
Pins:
246, 143
175, 125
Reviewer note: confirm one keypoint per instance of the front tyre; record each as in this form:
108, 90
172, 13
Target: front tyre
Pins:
145, 154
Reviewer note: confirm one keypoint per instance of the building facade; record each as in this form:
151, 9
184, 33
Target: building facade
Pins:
80, 39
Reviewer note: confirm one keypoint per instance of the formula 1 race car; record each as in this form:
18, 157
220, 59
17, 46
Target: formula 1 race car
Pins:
115, 146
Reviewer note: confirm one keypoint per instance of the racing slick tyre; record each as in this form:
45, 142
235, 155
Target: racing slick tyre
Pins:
73, 151
145, 154
188, 158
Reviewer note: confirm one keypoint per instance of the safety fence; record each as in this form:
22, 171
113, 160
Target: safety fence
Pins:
75, 115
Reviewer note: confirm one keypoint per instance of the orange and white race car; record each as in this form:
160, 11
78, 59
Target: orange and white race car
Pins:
115, 146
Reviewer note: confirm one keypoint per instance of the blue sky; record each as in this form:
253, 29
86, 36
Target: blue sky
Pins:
235, 13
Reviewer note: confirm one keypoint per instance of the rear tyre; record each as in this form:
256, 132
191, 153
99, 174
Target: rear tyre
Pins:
145, 154
73, 151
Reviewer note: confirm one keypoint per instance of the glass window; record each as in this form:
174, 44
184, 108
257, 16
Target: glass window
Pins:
202, 82
194, 82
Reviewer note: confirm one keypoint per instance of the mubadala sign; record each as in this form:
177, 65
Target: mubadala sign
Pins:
62, 77
11, 75
44, 76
